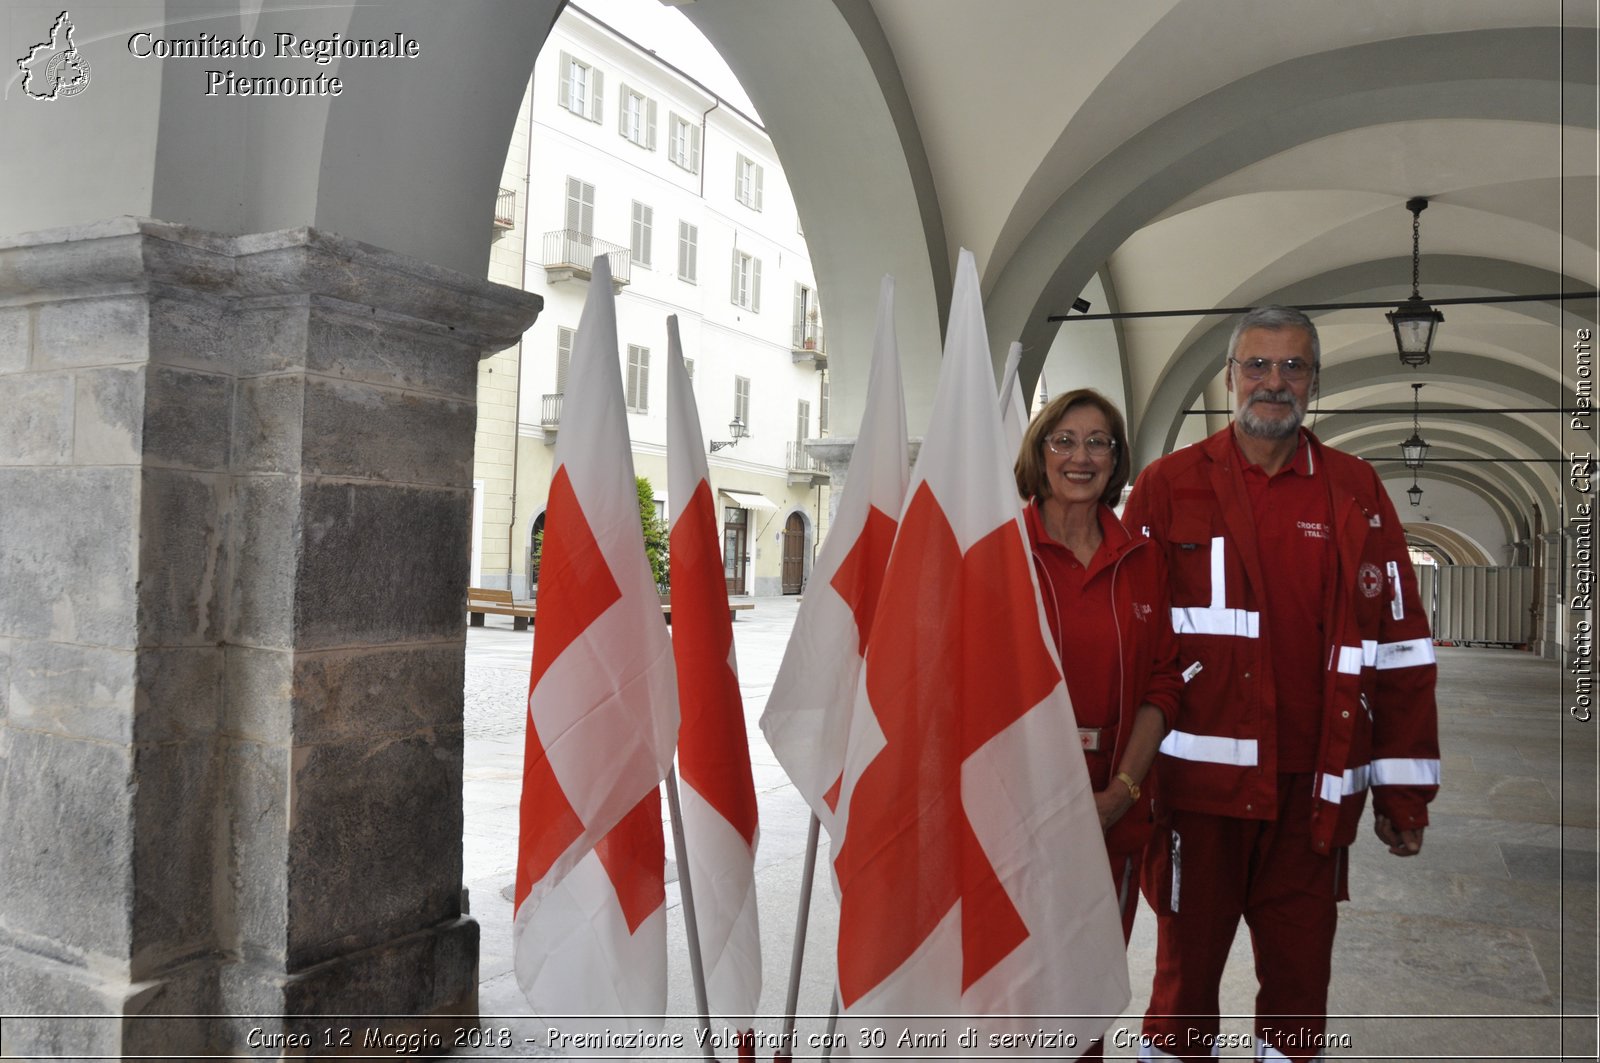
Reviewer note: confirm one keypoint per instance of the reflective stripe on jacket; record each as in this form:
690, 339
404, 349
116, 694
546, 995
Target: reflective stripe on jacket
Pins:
1379, 724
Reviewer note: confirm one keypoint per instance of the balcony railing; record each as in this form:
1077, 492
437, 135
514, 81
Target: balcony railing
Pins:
570, 254
505, 210
802, 467
550, 416
808, 345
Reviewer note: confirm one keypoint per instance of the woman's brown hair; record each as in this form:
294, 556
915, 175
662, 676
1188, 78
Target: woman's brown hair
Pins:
1032, 482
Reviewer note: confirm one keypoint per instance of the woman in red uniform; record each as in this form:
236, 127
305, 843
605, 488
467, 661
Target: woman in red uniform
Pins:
1106, 596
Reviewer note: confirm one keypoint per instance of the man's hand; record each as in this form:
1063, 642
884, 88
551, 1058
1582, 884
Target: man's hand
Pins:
1400, 842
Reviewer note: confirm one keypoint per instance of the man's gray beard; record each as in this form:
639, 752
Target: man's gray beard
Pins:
1265, 429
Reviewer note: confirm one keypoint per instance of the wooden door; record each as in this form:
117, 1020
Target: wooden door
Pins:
794, 554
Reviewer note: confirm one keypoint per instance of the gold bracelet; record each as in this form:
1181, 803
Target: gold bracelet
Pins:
1127, 780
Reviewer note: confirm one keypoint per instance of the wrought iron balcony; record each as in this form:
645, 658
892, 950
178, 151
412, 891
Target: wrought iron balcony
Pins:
570, 254
550, 416
803, 469
808, 346
505, 210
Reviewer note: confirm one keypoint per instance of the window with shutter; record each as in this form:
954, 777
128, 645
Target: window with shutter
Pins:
580, 207
688, 252
802, 420
638, 378
745, 288
563, 358
683, 144
597, 95
636, 118
643, 224
741, 399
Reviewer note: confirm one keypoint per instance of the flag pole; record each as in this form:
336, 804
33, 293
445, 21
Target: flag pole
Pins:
833, 1023
802, 919
686, 891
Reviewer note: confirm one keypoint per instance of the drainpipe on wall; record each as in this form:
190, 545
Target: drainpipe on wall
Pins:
516, 402
715, 103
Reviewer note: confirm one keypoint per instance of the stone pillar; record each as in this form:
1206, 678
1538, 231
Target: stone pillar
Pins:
833, 453
235, 504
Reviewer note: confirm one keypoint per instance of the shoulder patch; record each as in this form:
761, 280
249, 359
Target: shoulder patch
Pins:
1370, 580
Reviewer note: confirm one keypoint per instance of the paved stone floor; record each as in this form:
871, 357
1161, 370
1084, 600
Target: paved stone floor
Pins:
1483, 947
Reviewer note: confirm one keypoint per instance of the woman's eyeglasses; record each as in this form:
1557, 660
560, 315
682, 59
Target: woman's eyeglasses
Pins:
1065, 445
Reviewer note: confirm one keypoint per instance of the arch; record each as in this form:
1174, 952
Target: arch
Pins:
1260, 115
1457, 548
847, 67
195, 160
1508, 516
1198, 360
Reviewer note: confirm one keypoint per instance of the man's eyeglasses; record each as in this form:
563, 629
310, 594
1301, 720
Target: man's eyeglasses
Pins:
1096, 446
1293, 370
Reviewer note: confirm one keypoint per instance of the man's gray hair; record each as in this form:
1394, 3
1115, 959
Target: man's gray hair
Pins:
1274, 318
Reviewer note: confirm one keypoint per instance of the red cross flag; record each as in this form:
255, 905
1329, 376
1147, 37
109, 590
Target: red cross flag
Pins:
807, 717
590, 926
972, 870
718, 792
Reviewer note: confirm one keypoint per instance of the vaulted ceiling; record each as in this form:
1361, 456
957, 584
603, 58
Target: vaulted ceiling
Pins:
1203, 153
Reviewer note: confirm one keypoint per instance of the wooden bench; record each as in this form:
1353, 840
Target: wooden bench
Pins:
485, 600
734, 609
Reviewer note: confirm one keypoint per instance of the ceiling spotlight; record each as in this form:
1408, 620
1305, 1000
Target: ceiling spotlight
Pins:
1414, 321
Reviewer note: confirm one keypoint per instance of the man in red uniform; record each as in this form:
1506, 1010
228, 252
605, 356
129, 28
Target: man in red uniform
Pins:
1309, 675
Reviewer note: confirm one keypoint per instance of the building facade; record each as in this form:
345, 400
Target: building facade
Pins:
632, 158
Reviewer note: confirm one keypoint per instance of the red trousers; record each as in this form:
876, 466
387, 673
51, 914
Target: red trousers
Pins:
1201, 874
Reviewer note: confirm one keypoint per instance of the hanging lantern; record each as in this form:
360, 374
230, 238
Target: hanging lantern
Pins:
1415, 323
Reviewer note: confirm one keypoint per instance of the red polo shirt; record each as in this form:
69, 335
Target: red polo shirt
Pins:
1081, 603
1294, 529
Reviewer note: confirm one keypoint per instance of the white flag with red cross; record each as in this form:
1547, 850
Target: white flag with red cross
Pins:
807, 717
718, 791
590, 925
972, 873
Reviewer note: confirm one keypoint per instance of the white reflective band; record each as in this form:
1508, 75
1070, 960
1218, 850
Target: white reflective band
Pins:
1198, 621
1217, 618
1353, 658
1265, 1051
1219, 573
1210, 748
1407, 654
1335, 788
1399, 771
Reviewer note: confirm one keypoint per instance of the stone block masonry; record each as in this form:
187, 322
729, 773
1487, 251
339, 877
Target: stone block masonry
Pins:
235, 503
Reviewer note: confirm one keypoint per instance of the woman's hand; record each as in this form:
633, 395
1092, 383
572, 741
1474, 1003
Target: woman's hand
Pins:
1111, 803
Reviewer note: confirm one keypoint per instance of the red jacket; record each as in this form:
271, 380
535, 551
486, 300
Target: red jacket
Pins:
1379, 726
1148, 664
